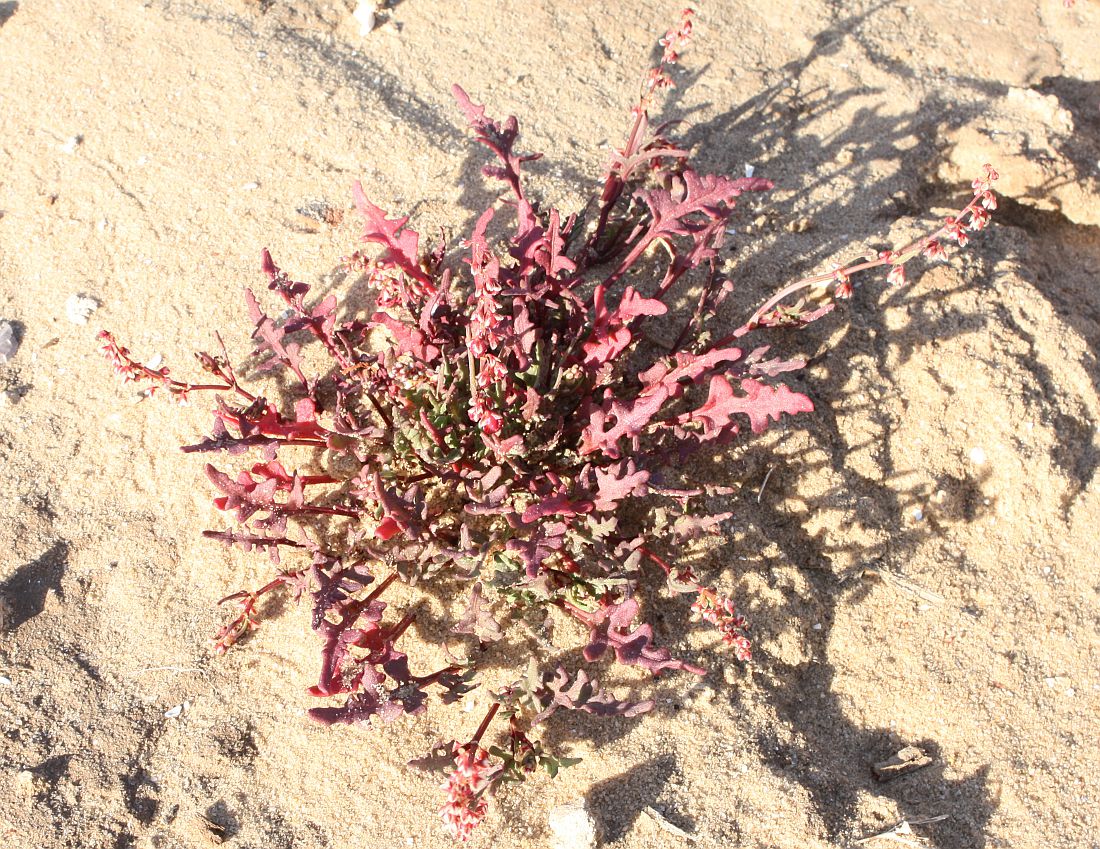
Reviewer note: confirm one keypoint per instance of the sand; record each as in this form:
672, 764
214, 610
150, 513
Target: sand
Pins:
920, 568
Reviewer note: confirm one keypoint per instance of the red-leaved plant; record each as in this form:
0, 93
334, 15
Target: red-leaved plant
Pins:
489, 421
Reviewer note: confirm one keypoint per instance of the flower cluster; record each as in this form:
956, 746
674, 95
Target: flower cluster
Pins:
721, 612
131, 371
465, 787
674, 42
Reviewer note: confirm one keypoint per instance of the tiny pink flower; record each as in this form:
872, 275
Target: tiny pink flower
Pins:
490, 371
934, 250
978, 218
896, 277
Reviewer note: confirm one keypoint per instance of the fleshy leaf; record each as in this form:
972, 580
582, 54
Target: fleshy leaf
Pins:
611, 629
760, 403
478, 618
583, 694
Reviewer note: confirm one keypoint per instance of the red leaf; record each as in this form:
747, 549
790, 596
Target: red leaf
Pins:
610, 333
402, 245
661, 383
611, 628
617, 483
760, 402
387, 529
478, 619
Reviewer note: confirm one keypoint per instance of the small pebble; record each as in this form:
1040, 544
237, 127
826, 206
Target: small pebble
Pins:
5, 681
977, 456
918, 514
573, 826
749, 169
79, 308
817, 626
248, 187
155, 362
8, 343
71, 144
28, 784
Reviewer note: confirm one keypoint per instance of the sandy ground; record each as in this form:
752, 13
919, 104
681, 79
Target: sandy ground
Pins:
921, 567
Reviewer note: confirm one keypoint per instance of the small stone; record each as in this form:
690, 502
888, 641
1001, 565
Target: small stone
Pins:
918, 514
908, 760
977, 456
251, 187
573, 826
749, 169
28, 784
71, 144
79, 308
5, 681
9, 344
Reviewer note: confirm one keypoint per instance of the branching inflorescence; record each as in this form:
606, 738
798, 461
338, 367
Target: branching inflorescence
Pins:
495, 437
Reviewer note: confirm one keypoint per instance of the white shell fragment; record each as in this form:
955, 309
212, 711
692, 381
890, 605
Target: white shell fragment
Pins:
8, 343
79, 308
364, 14
749, 169
177, 711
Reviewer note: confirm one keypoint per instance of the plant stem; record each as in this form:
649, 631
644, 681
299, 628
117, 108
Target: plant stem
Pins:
493, 708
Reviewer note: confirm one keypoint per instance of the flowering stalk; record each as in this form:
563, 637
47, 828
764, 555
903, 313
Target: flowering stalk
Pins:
465, 787
625, 160
974, 216
132, 371
718, 610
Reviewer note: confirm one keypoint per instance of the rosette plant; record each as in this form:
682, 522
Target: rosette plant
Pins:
500, 419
